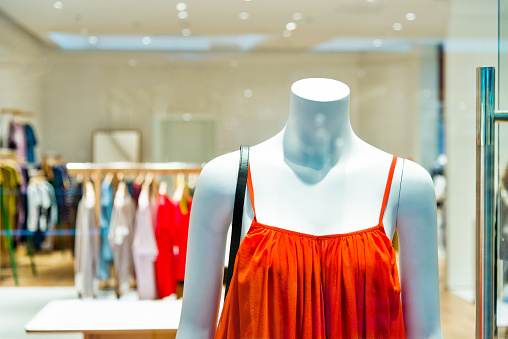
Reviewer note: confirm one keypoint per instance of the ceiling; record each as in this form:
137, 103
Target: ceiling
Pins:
325, 25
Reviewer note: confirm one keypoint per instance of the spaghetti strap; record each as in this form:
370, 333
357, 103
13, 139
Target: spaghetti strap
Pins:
387, 189
251, 192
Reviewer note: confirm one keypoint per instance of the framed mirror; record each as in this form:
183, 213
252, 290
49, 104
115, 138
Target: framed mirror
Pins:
116, 145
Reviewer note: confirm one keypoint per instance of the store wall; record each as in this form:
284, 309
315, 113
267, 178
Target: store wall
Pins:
388, 103
472, 42
21, 69
249, 94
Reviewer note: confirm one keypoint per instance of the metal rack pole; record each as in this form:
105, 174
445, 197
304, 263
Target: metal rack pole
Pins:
485, 227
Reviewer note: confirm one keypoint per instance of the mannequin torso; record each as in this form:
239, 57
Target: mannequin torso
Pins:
316, 177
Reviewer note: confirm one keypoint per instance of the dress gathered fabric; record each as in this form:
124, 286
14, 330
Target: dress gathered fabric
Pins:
295, 285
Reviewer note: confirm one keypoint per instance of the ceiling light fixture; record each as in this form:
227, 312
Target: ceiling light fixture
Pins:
186, 32
147, 40
181, 6
183, 15
58, 4
377, 42
93, 40
291, 26
410, 16
243, 15
297, 16
397, 26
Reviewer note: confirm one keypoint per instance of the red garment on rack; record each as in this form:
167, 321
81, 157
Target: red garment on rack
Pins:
165, 265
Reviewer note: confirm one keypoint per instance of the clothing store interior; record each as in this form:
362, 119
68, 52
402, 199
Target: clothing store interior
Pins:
110, 113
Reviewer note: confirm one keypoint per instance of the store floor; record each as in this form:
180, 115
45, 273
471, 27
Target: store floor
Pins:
52, 269
19, 305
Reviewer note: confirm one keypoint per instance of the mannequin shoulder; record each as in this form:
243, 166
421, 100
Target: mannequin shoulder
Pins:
417, 188
218, 177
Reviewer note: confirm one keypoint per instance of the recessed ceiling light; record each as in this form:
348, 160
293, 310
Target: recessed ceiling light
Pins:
58, 4
247, 93
186, 32
93, 40
291, 26
286, 33
147, 40
183, 14
181, 6
133, 62
410, 16
397, 26
377, 42
84, 31
297, 16
243, 15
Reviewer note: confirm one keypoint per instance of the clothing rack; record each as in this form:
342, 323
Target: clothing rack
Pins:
96, 171
16, 111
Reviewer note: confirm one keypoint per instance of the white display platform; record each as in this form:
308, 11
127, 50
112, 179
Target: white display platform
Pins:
20, 304
97, 318
502, 313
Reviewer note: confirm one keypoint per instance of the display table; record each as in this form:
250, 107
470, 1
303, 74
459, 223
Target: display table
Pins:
124, 319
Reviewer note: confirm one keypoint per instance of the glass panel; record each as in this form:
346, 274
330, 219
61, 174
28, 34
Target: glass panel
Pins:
502, 169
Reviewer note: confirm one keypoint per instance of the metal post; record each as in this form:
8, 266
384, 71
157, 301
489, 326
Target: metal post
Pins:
485, 231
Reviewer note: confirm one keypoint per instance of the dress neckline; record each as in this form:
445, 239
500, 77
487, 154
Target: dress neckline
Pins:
257, 224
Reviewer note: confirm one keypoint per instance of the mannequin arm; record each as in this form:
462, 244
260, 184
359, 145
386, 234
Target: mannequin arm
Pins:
417, 229
211, 215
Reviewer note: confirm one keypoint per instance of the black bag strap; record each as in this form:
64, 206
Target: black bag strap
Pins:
236, 231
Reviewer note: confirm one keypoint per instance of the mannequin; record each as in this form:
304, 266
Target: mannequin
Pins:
316, 177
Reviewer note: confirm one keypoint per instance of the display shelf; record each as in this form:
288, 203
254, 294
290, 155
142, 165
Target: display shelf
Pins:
109, 318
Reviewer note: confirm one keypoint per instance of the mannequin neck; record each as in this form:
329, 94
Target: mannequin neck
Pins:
318, 131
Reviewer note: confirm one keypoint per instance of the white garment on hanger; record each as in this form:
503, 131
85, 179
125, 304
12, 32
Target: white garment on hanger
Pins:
121, 234
144, 249
86, 251
41, 195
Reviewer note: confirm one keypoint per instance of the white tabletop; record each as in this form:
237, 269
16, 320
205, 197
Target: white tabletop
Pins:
106, 315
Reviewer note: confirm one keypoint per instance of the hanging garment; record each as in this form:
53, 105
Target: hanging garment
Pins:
22, 205
121, 234
136, 191
61, 183
182, 235
5, 125
86, 249
17, 139
72, 196
144, 249
10, 180
49, 215
105, 252
31, 141
292, 285
42, 214
165, 265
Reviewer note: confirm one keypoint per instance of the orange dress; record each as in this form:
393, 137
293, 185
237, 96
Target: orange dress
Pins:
292, 285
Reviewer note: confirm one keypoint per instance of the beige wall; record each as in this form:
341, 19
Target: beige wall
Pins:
84, 91
21, 70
